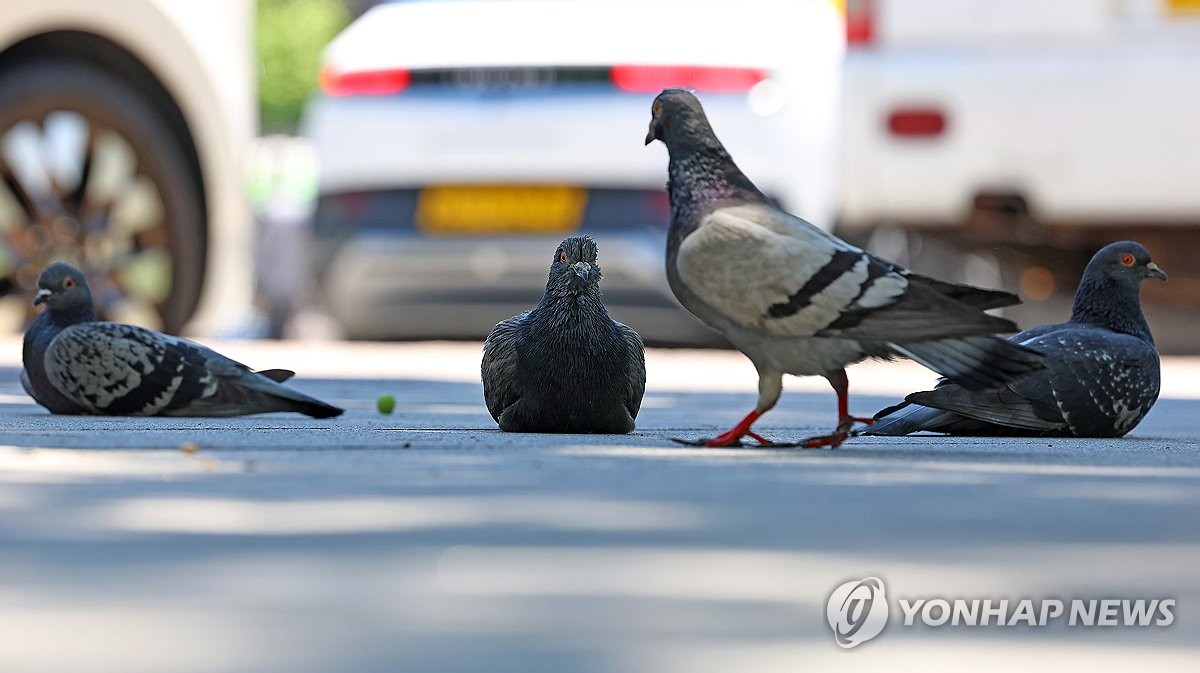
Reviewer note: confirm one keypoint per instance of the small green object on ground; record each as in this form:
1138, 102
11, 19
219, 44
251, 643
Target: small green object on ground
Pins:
385, 404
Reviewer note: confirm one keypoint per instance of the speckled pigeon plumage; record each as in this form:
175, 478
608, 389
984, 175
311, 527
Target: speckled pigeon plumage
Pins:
565, 366
75, 364
797, 300
1101, 376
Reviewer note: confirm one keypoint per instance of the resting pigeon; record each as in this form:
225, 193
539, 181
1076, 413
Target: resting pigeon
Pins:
565, 366
1101, 373
75, 364
797, 300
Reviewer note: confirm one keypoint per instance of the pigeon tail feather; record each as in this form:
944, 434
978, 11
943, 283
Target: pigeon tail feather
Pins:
903, 419
1002, 406
248, 392
277, 375
907, 418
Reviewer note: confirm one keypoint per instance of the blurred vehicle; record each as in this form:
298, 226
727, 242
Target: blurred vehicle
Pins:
459, 141
1036, 130
122, 128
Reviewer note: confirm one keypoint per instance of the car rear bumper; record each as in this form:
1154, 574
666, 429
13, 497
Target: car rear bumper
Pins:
381, 285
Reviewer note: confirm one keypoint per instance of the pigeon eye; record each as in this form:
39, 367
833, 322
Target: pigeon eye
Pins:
68, 283
656, 109
562, 257
1127, 259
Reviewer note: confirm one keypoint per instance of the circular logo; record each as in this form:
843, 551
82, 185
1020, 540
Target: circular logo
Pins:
857, 611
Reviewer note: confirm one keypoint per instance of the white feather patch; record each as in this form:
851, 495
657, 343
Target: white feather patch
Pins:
825, 306
742, 269
883, 291
744, 260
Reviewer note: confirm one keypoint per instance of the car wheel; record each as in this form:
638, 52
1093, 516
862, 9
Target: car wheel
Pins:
92, 175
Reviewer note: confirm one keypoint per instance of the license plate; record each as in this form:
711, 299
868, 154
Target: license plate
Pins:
1183, 6
484, 209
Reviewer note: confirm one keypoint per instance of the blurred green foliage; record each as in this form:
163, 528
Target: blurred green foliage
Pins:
291, 35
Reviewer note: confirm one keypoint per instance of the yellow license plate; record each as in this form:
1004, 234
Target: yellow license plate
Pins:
484, 209
1184, 6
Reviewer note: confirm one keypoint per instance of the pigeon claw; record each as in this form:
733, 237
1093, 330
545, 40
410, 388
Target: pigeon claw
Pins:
834, 439
704, 442
730, 439
726, 439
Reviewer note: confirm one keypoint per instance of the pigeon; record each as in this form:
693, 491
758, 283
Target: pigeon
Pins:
75, 364
798, 300
565, 366
1101, 375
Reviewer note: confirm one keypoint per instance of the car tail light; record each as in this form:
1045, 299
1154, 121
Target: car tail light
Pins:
860, 22
916, 122
654, 78
363, 82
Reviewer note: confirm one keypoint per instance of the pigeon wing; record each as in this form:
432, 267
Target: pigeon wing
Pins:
111, 368
1103, 382
1097, 383
27, 385
124, 370
500, 368
978, 297
635, 361
774, 273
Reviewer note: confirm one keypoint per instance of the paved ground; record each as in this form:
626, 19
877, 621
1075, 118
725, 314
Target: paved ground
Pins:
428, 541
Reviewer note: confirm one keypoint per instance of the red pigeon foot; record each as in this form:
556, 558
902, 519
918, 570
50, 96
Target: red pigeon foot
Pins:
835, 439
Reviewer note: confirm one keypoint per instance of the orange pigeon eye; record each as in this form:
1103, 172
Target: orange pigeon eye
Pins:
562, 257
1127, 259
68, 283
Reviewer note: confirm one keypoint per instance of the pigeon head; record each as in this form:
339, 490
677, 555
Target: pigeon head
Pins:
1108, 295
62, 288
1124, 262
700, 172
574, 269
674, 113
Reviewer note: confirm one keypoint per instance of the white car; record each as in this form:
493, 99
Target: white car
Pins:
1043, 128
122, 134
459, 141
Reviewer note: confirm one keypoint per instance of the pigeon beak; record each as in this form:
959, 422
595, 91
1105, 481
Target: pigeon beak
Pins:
1155, 272
41, 296
652, 134
583, 270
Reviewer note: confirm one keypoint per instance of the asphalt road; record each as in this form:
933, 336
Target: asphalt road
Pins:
428, 541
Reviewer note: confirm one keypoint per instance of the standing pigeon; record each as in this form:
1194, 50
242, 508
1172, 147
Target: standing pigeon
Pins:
797, 300
75, 364
1101, 373
565, 366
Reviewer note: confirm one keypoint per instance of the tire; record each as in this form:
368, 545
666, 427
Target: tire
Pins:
127, 210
